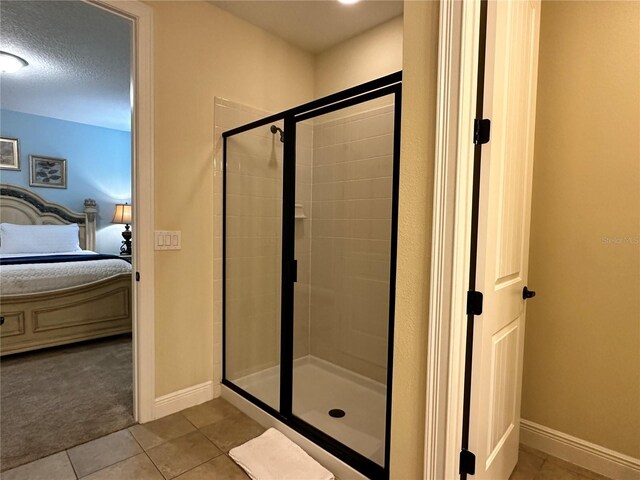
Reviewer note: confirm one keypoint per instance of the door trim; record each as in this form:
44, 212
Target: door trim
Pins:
141, 16
450, 252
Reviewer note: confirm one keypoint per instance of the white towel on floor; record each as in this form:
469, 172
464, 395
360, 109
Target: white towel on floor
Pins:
272, 456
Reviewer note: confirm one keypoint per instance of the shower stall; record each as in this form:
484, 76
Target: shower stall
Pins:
310, 202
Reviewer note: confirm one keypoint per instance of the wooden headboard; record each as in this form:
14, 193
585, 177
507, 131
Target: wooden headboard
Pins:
23, 207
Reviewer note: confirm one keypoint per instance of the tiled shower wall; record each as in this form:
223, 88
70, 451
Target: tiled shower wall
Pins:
350, 239
343, 185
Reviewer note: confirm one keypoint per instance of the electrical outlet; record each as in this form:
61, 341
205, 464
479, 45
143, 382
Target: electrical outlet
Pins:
168, 240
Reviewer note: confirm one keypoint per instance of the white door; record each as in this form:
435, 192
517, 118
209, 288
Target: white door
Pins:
503, 235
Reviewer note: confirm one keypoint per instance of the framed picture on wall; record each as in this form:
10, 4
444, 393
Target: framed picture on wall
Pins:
47, 172
9, 154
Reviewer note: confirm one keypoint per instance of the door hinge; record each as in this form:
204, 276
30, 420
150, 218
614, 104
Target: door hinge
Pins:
467, 462
137, 276
481, 131
474, 302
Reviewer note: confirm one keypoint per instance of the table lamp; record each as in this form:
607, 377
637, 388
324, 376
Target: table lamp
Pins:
122, 215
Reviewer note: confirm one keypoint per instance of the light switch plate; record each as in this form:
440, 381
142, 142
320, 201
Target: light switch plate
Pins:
168, 240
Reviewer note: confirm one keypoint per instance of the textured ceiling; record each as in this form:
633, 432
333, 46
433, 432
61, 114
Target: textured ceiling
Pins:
79, 55
313, 25
79, 62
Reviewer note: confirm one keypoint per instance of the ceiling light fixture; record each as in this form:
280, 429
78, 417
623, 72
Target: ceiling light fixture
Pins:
348, 2
10, 63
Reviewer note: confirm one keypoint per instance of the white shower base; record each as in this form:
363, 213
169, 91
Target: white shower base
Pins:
319, 386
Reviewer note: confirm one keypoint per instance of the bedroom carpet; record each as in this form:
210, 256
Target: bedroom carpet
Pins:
61, 397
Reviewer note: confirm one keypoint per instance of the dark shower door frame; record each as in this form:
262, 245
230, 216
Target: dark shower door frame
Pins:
387, 85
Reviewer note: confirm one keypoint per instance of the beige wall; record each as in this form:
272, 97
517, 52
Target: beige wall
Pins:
370, 55
582, 350
420, 65
202, 52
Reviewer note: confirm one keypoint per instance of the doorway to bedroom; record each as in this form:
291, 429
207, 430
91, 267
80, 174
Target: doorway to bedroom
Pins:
66, 365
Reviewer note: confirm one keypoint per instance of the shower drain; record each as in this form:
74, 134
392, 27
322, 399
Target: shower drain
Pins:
336, 413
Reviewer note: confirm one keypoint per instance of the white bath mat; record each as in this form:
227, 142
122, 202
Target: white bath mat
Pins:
272, 456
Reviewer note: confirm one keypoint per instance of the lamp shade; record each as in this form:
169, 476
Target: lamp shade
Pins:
122, 213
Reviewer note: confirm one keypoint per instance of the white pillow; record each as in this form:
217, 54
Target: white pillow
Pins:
39, 238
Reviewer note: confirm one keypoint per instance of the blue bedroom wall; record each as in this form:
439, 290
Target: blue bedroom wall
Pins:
98, 166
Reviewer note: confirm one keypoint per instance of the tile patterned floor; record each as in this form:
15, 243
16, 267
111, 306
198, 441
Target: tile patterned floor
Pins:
189, 445
193, 445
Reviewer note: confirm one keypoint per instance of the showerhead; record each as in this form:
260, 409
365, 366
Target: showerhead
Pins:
275, 129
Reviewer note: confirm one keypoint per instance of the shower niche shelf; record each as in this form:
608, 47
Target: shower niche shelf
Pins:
299, 211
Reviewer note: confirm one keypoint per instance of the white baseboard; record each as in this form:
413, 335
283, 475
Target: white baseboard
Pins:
579, 452
185, 398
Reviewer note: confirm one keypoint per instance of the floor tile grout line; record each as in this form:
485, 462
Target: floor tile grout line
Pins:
187, 418
181, 436
136, 440
200, 464
226, 454
153, 463
111, 464
197, 430
212, 441
66, 450
542, 465
156, 466
163, 442
71, 463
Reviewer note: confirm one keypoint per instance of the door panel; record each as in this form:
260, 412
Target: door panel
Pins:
504, 361
253, 258
344, 251
512, 118
503, 235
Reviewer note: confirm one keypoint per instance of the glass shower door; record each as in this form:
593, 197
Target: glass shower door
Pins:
253, 262
343, 247
310, 226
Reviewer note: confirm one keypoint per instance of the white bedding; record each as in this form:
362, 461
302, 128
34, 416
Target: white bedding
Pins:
44, 277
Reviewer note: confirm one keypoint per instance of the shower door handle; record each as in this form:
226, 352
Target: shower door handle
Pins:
294, 271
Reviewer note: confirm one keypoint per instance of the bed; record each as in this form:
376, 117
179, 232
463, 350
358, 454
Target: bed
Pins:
79, 296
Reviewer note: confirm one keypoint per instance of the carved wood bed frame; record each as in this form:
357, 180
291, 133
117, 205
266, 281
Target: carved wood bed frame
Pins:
44, 319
